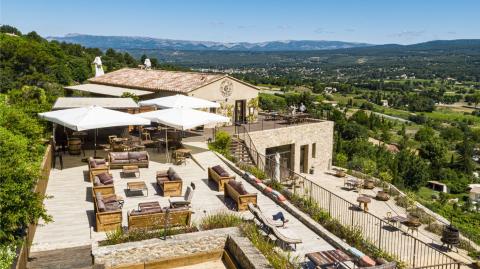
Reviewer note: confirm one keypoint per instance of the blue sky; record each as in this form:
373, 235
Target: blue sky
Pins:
372, 21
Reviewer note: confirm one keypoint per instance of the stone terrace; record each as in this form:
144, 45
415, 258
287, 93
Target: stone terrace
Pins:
71, 204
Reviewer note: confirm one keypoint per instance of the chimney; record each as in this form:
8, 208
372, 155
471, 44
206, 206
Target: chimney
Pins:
98, 67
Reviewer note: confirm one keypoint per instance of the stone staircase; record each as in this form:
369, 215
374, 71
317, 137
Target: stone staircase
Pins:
72, 258
240, 151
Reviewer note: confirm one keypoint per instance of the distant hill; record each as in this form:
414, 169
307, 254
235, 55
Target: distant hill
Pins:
148, 43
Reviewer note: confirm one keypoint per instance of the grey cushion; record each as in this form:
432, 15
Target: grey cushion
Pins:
220, 171
119, 156
238, 186
97, 182
100, 204
140, 155
112, 206
120, 161
105, 178
175, 177
92, 162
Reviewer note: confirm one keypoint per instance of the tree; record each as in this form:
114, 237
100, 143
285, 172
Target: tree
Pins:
424, 134
354, 130
465, 152
434, 151
9, 30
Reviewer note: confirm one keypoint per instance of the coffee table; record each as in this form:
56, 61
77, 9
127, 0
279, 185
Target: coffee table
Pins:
137, 186
148, 205
365, 201
131, 169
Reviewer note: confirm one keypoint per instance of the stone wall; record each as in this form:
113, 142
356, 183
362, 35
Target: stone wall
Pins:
320, 133
178, 246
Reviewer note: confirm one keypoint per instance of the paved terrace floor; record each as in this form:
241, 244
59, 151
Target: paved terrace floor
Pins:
71, 205
380, 209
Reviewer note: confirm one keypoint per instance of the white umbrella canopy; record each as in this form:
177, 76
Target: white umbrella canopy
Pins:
183, 118
179, 101
93, 117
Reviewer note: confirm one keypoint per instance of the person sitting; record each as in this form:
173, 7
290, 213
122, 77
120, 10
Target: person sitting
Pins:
280, 216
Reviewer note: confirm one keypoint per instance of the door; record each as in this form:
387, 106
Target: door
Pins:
240, 111
304, 159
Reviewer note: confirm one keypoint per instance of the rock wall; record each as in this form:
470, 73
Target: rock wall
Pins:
318, 133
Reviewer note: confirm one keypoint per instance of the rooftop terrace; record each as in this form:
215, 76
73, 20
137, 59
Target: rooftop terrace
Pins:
72, 207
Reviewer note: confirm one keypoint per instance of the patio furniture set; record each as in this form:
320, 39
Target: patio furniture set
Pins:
411, 222
337, 258
232, 188
289, 118
149, 215
108, 205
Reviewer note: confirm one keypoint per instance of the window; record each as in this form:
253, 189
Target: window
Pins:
314, 150
213, 110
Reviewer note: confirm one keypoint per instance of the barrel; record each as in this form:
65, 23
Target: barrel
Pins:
74, 146
450, 236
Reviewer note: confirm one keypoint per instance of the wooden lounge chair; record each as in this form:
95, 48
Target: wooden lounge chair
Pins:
108, 211
255, 210
97, 166
219, 175
169, 182
101, 186
184, 201
272, 229
236, 191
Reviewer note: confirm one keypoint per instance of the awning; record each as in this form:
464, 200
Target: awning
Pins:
106, 102
106, 90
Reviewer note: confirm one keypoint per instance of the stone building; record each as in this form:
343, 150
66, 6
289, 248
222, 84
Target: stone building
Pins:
237, 98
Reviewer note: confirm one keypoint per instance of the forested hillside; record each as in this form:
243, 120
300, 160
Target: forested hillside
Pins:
32, 74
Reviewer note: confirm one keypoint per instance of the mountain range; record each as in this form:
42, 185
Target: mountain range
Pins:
149, 43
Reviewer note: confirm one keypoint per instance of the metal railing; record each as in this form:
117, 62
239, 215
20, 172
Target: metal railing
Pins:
407, 248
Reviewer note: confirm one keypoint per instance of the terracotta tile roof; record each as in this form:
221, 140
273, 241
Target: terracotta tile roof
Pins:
156, 80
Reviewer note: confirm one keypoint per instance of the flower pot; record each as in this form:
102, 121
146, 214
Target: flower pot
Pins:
383, 196
368, 184
340, 173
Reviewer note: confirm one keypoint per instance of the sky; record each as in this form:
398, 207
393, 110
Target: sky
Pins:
370, 21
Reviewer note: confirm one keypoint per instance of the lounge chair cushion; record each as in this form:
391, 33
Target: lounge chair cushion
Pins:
117, 156
220, 171
105, 178
170, 172
137, 155
238, 186
176, 209
100, 204
92, 162
175, 177
146, 212
112, 206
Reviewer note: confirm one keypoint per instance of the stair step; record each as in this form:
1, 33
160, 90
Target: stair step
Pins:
74, 258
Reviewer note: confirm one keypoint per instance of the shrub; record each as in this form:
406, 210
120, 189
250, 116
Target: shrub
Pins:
221, 143
277, 260
271, 102
119, 235
252, 169
220, 220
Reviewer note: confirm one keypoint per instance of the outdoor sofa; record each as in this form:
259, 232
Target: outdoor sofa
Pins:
120, 159
157, 218
108, 211
96, 166
235, 190
169, 182
219, 175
